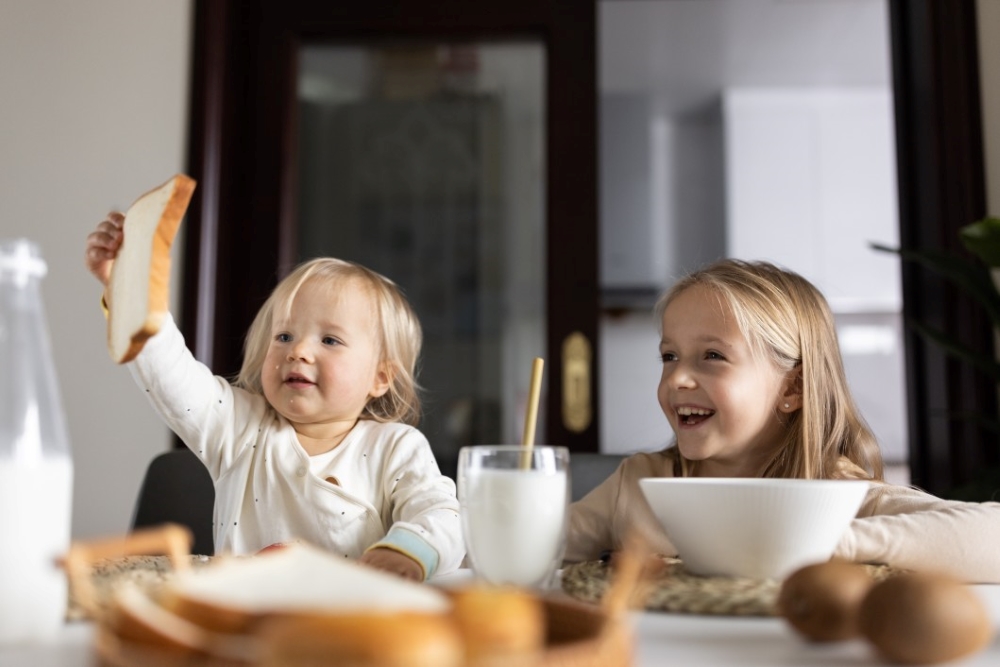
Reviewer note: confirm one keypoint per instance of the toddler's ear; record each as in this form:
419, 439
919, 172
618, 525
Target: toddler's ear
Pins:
791, 392
383, 379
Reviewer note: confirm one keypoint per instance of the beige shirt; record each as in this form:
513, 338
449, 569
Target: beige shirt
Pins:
901, 526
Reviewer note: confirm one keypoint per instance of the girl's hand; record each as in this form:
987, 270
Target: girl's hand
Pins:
388, 560
103, 245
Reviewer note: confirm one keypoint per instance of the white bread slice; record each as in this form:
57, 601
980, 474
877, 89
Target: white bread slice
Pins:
139, 288
233, 594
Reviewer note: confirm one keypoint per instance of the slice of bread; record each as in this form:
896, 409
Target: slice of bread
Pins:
139, 288
232, 594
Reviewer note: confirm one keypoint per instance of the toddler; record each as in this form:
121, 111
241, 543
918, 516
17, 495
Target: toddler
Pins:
753, 385
314, 440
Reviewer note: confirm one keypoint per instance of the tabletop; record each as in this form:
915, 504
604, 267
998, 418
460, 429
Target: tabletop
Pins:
662, 639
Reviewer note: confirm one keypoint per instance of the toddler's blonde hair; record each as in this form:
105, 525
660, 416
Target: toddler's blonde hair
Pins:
398, 334
786, 320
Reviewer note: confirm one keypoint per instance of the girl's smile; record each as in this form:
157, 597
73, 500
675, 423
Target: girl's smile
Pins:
689, 417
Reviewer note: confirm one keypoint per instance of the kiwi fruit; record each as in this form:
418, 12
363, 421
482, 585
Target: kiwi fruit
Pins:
821, 601
922, 619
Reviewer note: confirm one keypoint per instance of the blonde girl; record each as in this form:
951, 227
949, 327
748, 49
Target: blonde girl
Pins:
314, 441
753, 385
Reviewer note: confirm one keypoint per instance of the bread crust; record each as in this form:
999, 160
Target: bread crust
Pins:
130, 274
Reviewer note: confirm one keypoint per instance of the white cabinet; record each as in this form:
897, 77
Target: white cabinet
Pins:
810, 180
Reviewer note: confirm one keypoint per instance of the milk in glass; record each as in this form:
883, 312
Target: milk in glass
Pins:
514, 521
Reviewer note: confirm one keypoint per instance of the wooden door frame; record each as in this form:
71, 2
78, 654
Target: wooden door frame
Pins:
942, 187
246, 50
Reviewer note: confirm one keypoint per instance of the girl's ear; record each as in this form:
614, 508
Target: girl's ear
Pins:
383, 380
791, 391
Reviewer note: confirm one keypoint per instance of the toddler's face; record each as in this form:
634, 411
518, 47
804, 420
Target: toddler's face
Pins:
721, 401
322, 363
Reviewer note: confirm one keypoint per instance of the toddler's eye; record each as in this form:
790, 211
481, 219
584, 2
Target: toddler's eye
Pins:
667, 356
330, 340
713, 355
283, 338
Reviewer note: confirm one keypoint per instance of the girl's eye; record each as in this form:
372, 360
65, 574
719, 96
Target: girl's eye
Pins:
283, 338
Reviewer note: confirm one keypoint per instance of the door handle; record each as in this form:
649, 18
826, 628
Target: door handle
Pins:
577, 356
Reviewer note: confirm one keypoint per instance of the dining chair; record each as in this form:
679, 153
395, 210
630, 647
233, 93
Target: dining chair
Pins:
178, 489
587, 470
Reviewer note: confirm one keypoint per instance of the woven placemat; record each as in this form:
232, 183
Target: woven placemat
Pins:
674, 589
106, 575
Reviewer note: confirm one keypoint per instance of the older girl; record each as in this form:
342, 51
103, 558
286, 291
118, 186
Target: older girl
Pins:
753, 386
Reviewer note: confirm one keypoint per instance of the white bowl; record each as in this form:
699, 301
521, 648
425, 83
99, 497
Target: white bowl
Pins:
752, 527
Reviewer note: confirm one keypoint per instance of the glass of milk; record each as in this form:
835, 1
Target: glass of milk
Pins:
514, 501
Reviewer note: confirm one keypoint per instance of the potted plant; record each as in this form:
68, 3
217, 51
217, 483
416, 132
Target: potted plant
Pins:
981, 281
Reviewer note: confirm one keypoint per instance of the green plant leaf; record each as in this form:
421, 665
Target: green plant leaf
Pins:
971, 277
982, 362
982, 239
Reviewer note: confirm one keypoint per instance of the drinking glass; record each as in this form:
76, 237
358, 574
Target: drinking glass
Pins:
514, 501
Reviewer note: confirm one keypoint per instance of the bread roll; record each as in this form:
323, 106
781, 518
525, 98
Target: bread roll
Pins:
138, 290
499, 625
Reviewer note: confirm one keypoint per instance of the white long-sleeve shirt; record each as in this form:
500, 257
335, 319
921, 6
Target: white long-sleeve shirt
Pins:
898, 525
381, 486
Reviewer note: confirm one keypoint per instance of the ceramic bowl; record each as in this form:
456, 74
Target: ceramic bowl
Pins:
748, 527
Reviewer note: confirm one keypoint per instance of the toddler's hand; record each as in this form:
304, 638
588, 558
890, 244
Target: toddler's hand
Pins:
394, 562
103, 245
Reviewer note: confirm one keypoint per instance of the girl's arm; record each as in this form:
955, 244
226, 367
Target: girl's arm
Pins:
425, 513
204, 410
591, 519
910, 529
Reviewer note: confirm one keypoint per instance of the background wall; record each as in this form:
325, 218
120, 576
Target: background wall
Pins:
93, 113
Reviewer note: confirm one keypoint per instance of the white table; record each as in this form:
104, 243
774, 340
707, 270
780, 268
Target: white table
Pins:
663, 639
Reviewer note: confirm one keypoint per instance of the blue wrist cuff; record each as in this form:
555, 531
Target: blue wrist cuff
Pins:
410, 544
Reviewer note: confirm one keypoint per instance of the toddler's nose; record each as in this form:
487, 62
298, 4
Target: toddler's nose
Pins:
300, 350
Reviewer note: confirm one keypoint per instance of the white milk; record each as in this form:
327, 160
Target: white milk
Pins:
35, 506
515, 524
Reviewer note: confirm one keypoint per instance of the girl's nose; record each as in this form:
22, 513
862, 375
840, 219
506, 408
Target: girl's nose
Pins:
679, 376
300, 350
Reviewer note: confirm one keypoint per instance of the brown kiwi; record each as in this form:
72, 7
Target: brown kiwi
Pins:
921, 619
821, 601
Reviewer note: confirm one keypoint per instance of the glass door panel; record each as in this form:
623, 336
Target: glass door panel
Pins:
426, 163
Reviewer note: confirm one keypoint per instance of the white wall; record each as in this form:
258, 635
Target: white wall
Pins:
93, 113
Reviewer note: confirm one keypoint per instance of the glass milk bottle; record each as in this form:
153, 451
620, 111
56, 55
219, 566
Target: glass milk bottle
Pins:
36, 472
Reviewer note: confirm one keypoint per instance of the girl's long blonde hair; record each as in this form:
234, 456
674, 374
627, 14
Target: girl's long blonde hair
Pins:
786, 320
398, 334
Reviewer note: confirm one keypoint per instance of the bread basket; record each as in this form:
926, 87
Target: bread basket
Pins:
576, 634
